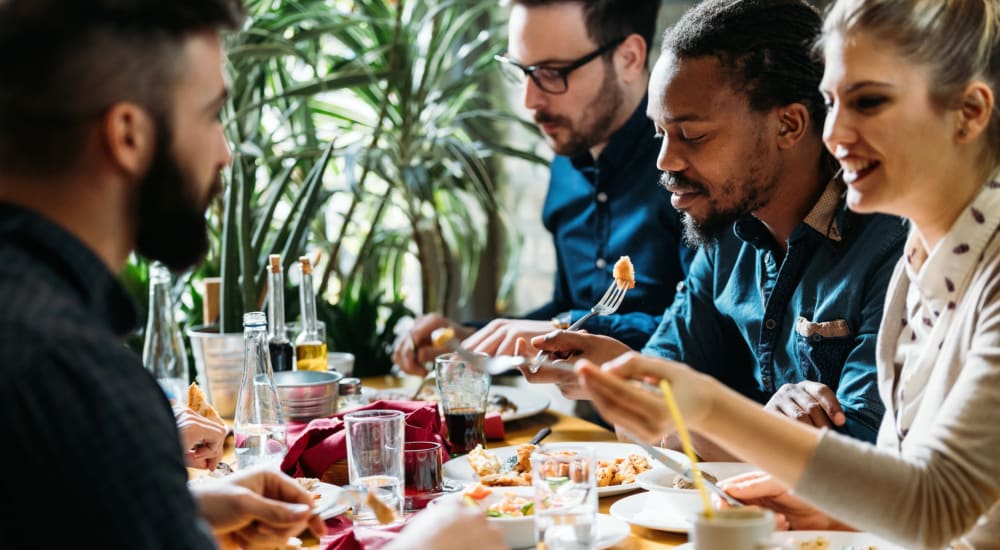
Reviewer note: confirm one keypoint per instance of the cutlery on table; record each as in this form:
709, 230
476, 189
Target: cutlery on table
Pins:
445, 337
679, 469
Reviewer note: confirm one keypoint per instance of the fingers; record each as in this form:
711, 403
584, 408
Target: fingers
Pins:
622, 403
754, 485
827, 399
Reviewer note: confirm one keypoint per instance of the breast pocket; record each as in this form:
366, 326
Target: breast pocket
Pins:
823, 348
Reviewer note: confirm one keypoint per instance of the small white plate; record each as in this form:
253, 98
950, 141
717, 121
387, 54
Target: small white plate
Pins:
327, 502
662, 478
836, 539
610, 531
652, 510
459, 470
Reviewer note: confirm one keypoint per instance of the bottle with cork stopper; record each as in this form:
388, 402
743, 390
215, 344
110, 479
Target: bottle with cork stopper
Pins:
279, 345
310, 344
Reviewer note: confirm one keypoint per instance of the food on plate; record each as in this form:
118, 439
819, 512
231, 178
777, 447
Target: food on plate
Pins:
199, 404
680, 482
497, 403
482, 462
511, 505
610, 472
620, 471
624, 273
500, 404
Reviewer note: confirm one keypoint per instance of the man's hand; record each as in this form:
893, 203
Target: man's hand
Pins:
201, 438
415, 350
257, 507
808, 402
499, 337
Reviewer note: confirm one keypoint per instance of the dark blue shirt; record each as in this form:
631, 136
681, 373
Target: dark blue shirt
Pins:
598, 212
756, 322
90, 434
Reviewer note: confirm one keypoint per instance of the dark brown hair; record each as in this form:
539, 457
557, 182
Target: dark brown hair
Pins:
64, 62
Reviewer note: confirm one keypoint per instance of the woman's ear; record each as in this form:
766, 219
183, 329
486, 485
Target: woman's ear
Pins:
974, 111
130, 137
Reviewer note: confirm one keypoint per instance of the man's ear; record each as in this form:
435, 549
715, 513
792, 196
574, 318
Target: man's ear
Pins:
793, 123
129, 132
630, 58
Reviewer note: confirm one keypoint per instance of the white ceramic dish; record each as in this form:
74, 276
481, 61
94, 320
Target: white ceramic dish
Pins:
654, 510
326, 502
519, 533
459, 470
838, 540
661, 478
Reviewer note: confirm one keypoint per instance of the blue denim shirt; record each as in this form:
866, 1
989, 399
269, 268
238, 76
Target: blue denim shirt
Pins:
597, 212
756, 322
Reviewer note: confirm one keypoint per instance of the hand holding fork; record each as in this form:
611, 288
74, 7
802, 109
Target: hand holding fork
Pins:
608, 304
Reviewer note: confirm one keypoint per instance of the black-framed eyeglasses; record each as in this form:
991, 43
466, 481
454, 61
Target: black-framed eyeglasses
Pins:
553, 80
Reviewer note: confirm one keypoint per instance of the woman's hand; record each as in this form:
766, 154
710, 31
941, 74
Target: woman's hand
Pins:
790, 512
635, 408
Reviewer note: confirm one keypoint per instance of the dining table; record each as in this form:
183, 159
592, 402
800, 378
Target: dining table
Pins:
565, 428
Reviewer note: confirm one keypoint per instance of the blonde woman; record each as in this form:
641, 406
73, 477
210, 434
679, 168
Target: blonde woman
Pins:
913, 121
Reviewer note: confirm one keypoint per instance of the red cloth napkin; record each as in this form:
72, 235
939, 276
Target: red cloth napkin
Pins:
493, 428
341, 535
313, 447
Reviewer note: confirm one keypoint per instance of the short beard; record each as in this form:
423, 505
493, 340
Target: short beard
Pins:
708, 232
171, 224
598, 117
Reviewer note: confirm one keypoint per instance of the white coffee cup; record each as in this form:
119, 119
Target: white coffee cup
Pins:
743, 528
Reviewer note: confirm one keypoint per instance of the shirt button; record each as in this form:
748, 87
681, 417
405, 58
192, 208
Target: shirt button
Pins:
600, 263
602, 197
770, 324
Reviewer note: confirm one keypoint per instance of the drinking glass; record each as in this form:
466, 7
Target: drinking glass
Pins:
565, 483
422, 472
375, 459
464, 387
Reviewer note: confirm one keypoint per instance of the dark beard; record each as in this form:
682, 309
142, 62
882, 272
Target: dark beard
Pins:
171, 223
601, 115
706, 232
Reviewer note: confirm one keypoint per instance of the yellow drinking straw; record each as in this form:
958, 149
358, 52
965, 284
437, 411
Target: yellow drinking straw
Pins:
668, 396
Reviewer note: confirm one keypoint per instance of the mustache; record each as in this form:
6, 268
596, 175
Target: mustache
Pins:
673, 180
542, 117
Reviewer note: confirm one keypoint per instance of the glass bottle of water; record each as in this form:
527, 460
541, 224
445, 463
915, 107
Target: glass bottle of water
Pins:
282, 352
259, 423
163, 352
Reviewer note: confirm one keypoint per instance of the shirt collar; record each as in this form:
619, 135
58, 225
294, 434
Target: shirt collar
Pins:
826, 218
943, 274
622, 143
73, 263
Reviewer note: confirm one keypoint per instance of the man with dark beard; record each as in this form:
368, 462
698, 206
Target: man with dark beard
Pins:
583, 68
784, 299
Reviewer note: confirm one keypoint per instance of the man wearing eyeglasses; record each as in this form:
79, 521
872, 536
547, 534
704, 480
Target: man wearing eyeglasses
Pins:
582, 67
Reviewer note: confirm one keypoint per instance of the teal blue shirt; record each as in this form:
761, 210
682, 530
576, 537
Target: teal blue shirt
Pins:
756, 321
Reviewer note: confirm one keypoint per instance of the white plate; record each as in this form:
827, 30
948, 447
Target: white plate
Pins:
459, 470
327, 501
528, 403
652, 510
837, 540
610, 531
662, 478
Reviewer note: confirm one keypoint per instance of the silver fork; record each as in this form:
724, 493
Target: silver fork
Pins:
608, 304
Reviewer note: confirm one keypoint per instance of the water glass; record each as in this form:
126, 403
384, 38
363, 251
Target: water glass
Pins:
464, 387
422, 472
375, 459
565, 483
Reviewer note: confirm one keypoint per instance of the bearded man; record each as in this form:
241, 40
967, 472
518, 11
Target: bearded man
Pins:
784, 299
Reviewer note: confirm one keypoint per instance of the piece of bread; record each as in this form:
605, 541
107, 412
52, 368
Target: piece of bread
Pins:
200, 405
624, 273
